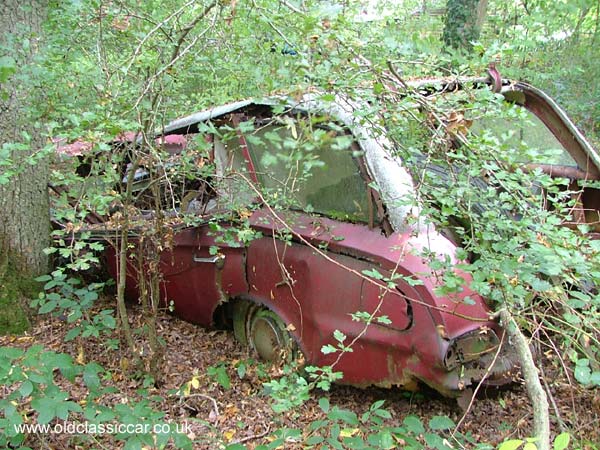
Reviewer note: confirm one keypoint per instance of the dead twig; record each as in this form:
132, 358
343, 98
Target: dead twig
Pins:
561, 423
253, 436
206, 397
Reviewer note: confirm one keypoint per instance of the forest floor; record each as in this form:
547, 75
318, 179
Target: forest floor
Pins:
243, 412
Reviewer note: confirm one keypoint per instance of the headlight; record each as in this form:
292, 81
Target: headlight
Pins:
477, 358
473, 346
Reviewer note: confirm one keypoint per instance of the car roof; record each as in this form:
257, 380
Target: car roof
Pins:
306, 103
522, 93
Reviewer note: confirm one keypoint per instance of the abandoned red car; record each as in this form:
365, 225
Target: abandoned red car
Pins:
324, 241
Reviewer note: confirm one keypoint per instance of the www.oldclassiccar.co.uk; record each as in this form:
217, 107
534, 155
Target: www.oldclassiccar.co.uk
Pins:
103, 428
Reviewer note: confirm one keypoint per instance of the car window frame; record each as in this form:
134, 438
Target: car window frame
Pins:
377, 215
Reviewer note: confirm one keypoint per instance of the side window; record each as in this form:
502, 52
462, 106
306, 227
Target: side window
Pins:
312, 167
525, 132
233, 187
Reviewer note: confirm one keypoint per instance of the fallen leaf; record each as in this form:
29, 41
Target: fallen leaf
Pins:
80, 356
348, 432
229, 435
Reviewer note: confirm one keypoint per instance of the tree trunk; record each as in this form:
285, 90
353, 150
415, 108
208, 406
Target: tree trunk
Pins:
24, 211
464, 19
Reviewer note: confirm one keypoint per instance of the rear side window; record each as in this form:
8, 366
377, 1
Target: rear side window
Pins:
312, 168
525, 133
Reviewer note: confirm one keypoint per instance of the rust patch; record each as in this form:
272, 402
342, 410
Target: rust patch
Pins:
219, 264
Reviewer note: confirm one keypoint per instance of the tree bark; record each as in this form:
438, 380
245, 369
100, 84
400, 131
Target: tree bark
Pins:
464, 19
24, 210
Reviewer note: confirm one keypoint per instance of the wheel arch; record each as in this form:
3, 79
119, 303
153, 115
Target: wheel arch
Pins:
249, 300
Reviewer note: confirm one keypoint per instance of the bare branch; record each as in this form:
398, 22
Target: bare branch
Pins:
177, 52
292, 7
535, 390
253, 436
158, 26
207, 397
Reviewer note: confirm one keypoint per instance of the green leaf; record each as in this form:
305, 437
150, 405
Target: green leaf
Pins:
353, 442
236, 447
45, 408
10, 353
324, 404
377, 405
26, 388
61, 361
383, 413
241, 370
339, 336
72, 334
90, 375
468, 301
327, 349
436, 441
63, 408
440, 423
386, 440
573, 319
314, 440
335, 444
223, 379
582, 371
105, 416
511, 444
373, 273
161, 439
385, 320
43, 278
414, 425
40, 378
219, 373
133, 443
344, 415
561, 442
48, 307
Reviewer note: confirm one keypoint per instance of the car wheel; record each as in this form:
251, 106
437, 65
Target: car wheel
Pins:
264, 332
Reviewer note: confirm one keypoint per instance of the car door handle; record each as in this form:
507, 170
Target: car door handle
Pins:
210, 259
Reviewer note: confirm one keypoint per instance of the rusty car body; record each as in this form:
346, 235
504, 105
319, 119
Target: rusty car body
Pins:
343, 247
